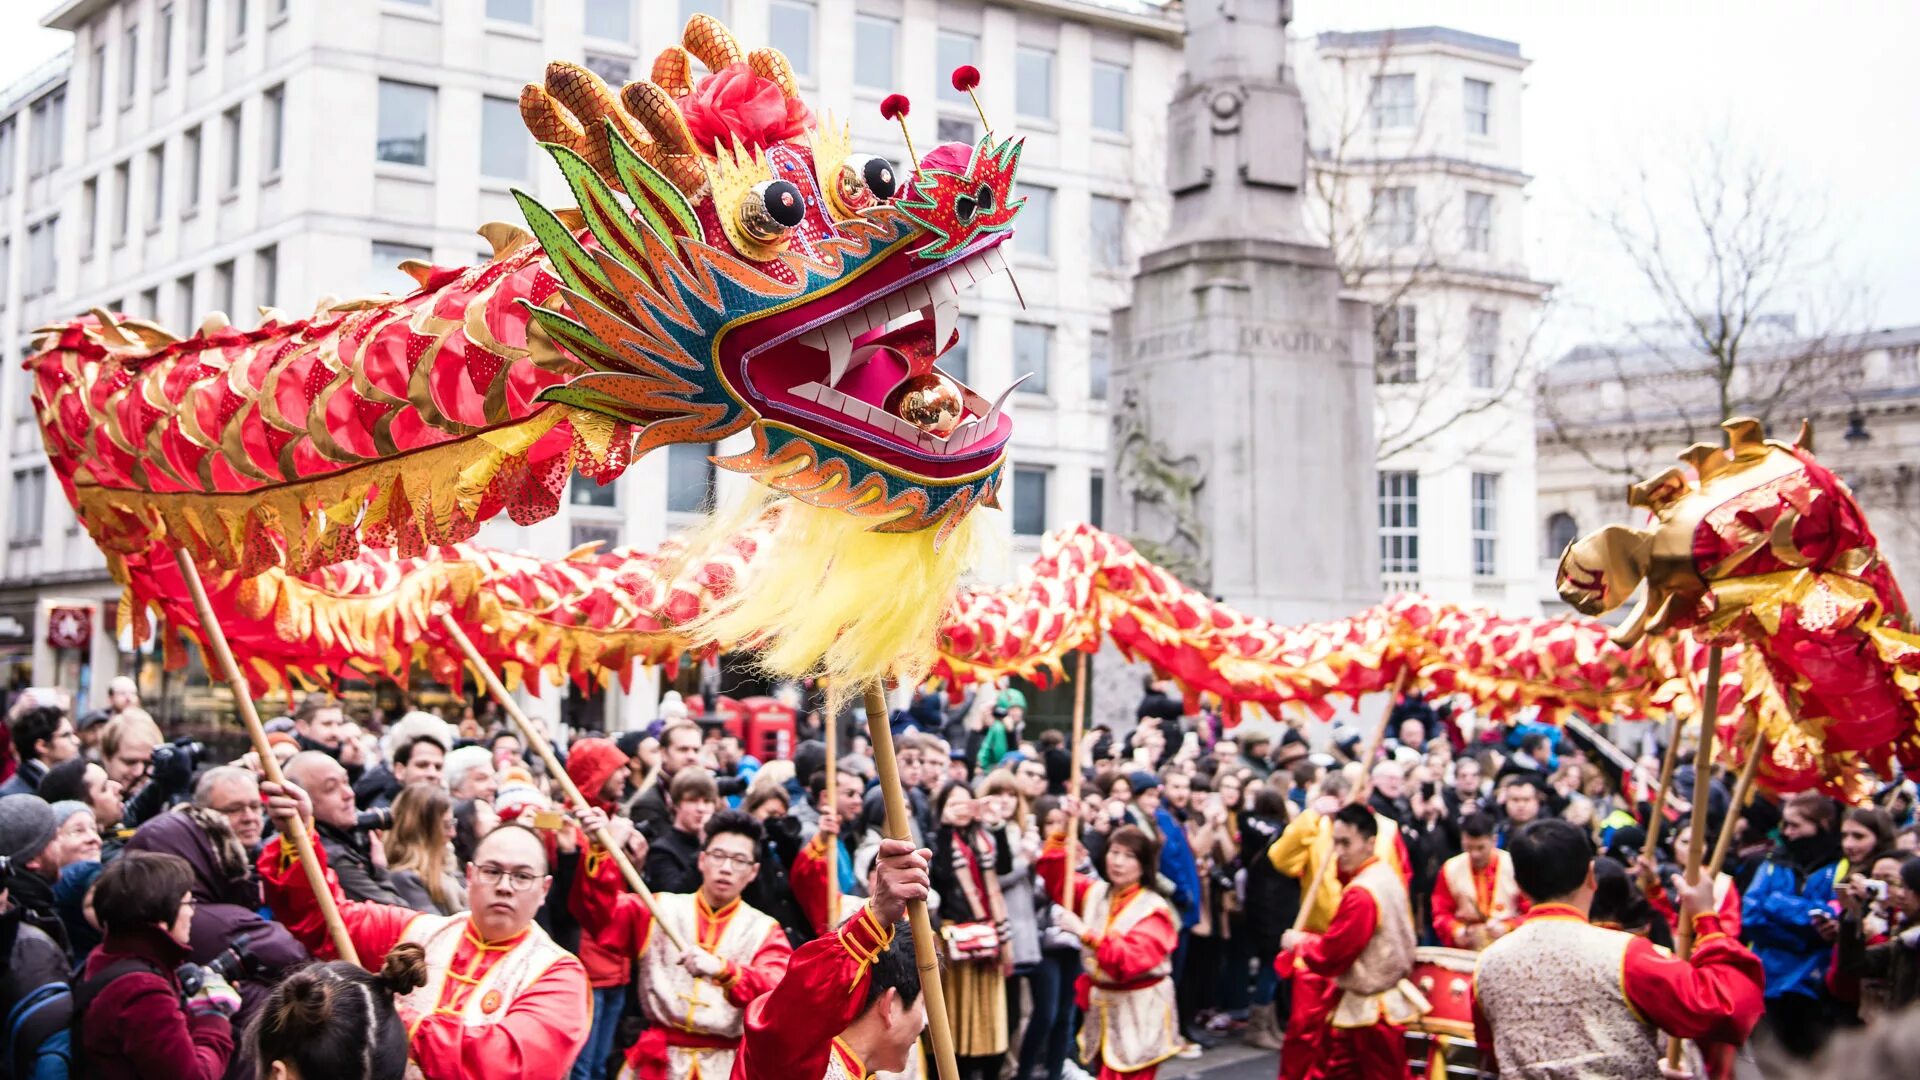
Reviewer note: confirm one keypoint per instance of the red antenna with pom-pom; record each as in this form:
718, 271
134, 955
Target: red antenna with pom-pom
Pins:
895, 107
965, 78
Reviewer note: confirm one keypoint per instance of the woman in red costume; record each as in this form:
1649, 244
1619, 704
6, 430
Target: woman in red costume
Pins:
1127, 936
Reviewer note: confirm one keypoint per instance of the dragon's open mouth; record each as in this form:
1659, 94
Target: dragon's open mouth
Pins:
838, 363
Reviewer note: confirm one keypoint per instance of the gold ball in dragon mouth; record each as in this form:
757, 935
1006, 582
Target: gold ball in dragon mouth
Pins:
930, 402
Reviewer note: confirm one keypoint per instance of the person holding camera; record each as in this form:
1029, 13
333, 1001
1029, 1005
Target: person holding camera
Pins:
1880, 933
135, 1018
350, 837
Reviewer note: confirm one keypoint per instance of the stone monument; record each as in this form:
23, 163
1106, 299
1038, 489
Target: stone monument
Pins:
1242, 446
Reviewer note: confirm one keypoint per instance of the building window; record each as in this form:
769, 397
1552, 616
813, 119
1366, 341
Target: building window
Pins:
957, 361
1393, 220
122, 200
223, 287
89, 216
1097, 499
790, 29
97, 85
617, 71
1033, 82
266, 275
190, 171
185, 304
610, 20
197, 17
236, 21
129, 63
583, 491
513, 11
715, 8
953, 50
1477, 219
47, 118
1032, 352
1479, 99
150, 304
273, 134
1486, 524
873, 50
230, 136
1035, 234
690, 478
1396, 349
9, 151
43, 257
581, 533
1391, 101
29, 506
1562, 531
1029, 502
156, 186
385, 274
1099, 364
1483, 347
503, 140
1109, 219
163, 46
1400, 524
954, 129
1109, 97
406, 116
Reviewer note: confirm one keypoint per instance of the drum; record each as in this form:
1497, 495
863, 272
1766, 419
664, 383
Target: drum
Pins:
1440, 1044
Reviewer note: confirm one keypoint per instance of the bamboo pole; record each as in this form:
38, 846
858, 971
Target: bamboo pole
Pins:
533, 736
1656, 809
1080, 690
926, 952
296, 829
1358, 794
832, 798
1724, 842
1702, 793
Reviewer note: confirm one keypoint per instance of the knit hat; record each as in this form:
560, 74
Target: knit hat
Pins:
1293, 747
515, 800
26, 826
65, 809
628, 742
1141, 780
673, 706
1011, 698
413, 727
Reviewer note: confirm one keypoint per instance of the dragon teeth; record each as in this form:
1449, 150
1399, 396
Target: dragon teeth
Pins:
839, 344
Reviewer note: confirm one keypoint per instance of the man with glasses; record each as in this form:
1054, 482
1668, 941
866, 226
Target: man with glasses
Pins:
234, 793
42, 738
696, 999
501, 999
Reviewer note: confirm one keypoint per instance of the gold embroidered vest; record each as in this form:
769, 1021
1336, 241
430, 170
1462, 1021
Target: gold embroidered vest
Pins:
441, 935
1129, 1030
1553, 992
1371, 984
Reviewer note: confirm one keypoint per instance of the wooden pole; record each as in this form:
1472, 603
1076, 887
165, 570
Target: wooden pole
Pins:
1724, 842
1656, 812
832, 798
296, 829
1358, 794
926, 952
532, 735
1702, 793
1080, 691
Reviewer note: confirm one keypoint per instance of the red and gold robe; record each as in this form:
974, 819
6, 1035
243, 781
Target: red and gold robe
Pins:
491, 1010
1321, 1042
1304, 845
793, 1032
696, 1022
1558, 988
808, 879
1495, 898
1126, 994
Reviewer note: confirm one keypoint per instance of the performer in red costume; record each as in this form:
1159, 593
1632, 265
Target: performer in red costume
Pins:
1561, 997
1308, 841
501, 999
808, 878
696, 999
1475, 898
850, 1004
1127, 936
1349, 1026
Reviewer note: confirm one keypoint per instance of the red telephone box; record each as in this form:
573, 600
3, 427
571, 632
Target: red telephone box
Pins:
770, 729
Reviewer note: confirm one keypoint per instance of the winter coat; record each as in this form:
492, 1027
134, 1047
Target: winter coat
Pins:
673, 863
35, 1000
378, 788
1273, 898
1016, 888
1893, 964
412, 889
25, 781
351, 856
1178, 866
136, 1028
1776, 918
590, 764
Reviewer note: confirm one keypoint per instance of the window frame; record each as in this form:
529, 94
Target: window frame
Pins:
1483, 348
1052, 57
1396, 360
1484, 521
1476, 222
1026, 480
1042, 382
1126, 98
1399, 533
1392, 115
273, 132
1041, 198
803, 69
892, 26
432, 98
1477, 121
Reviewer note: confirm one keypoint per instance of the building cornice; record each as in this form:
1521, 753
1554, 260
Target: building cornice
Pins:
1144, 19
1440, 163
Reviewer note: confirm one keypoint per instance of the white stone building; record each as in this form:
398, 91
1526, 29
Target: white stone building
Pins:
1417, 183
228, 154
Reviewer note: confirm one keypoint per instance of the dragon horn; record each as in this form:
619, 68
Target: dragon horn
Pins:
772, 65
712, 43
677, 154
673, 71
582, 94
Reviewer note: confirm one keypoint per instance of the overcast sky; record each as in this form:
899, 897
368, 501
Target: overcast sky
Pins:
1828, 91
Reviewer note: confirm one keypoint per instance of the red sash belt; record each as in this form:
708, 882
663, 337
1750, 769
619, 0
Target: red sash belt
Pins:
700, 1040
1137, 984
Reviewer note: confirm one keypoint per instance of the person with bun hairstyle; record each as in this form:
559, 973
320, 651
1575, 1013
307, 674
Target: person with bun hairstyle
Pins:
338, 1020
500, 998
1127, 933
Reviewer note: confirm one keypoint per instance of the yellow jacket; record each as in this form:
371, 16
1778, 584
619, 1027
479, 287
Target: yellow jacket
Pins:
1299, 851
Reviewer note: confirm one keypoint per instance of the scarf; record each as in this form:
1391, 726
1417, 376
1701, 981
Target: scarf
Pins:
981, 888
1809, 853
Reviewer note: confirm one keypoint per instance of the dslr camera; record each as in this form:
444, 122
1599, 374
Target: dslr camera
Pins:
379, 818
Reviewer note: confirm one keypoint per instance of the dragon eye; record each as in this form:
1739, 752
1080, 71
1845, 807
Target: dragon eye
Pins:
864, 181
773, 207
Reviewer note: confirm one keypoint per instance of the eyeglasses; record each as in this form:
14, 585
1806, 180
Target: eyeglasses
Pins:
516, 880
245, 809
738, 862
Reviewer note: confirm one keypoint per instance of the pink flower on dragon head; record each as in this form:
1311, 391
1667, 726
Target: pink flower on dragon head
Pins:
736, 103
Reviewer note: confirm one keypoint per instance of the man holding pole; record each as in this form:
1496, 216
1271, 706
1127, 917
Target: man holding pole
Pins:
501, 999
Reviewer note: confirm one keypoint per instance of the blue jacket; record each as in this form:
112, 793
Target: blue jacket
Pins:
1776, 918
1177, 865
